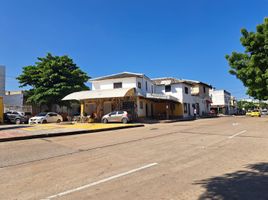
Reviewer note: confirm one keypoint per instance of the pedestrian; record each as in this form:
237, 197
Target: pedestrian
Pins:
195, 113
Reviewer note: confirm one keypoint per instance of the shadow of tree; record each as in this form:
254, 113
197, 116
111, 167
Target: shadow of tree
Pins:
250, 184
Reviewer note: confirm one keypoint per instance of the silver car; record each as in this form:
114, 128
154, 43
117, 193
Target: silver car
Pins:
117, 116
44, 117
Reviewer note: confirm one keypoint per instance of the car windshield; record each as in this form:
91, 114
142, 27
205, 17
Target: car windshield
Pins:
42, 114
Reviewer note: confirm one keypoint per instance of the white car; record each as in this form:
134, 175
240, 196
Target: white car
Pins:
46, 117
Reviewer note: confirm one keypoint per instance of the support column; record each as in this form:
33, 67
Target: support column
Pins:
82, 108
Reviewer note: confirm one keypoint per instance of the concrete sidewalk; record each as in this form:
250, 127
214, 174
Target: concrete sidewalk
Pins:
23, 132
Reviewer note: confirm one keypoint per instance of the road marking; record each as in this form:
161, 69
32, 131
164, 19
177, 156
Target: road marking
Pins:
235, 124
239, 133
100, 181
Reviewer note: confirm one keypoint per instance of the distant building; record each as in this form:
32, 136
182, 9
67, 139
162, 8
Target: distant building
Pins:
221, 101
13, 100
2, 80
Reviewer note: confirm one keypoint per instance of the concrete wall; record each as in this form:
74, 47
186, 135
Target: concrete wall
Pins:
178, 91
13, 100
131, 82
109, 84
142, 111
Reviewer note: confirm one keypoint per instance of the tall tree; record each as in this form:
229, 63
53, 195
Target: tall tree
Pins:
51, 79
251, 67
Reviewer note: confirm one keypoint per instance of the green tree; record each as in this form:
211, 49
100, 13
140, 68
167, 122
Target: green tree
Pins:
246, 105
51, 79
251, 67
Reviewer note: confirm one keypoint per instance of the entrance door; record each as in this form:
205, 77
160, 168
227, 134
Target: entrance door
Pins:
152, 110
146, 109
189, 109
107, 107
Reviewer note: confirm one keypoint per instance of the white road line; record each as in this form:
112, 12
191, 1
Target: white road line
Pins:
100, 181
239, 133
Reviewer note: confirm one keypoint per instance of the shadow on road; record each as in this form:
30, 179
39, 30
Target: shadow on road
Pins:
8, 127
241, 185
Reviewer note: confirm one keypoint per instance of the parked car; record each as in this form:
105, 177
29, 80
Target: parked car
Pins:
255, 113
46, 117
264, 112
15, 117
117, 116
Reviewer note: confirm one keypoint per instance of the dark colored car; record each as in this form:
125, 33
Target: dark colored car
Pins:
16, 117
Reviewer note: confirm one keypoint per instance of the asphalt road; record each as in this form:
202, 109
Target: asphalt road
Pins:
224, 158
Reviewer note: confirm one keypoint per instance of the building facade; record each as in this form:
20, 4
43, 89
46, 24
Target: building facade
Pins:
193, 94
221, 101
164, 98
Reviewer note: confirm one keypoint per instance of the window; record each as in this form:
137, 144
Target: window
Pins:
146, 85
186, 90
185, 108
152, 89
112, 113
118, 85
204, 89
141, 105
120, 112
167, 88
139, 85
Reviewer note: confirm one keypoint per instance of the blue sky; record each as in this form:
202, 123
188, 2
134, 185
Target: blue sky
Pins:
174, 38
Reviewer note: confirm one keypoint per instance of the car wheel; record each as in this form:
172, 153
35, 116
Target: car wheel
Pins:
105, 121
18, 121
44, 121
124, 120
58, 121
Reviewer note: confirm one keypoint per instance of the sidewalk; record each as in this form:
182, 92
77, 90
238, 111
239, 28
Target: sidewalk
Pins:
23, 132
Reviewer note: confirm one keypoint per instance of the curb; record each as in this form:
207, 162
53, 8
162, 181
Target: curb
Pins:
48, 135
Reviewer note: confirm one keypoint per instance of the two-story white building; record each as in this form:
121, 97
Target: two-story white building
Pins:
221, 101
193, 94
133, 92
143, 97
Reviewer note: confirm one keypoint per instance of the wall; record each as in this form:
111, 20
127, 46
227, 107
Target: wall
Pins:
143, 90
142, 112
14, 100
131, 82
178, 91
109, 83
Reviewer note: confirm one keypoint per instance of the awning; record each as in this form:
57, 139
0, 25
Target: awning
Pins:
100, 94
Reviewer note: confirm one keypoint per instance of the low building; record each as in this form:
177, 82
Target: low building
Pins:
221, 101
